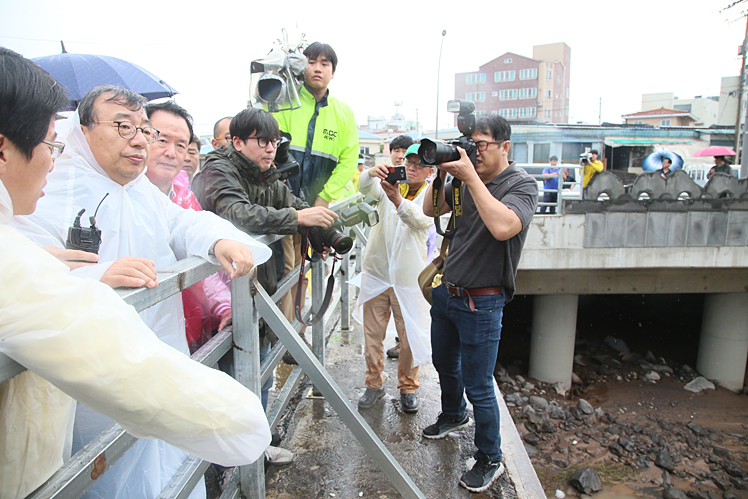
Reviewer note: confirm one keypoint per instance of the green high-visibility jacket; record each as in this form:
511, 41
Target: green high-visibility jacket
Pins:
324, 140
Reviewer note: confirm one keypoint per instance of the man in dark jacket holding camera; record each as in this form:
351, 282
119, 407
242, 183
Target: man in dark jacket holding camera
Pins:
239, 183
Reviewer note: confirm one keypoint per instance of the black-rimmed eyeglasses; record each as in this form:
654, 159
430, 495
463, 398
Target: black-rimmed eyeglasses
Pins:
263, 142
127, 130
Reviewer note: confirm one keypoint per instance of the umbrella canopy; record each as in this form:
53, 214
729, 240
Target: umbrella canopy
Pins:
79, 73
715, 151
654, 161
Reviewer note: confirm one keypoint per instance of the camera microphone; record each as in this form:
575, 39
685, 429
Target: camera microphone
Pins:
85, 239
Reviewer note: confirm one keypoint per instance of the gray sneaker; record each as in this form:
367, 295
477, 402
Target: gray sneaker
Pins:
370, 397
482, 475
445, 424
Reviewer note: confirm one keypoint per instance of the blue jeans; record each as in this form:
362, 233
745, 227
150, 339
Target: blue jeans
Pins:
464, 348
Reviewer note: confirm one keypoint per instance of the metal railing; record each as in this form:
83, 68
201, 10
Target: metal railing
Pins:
568, 189
81, 471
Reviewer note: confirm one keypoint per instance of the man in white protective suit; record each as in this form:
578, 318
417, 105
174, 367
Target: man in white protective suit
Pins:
107, 142
395, 255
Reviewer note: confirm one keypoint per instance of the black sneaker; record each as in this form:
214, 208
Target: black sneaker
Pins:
482, 475
445, 424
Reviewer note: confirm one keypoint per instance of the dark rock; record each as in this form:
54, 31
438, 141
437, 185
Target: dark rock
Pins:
695, 494
664, 460
672, 493
605, 370
514, 399
506, 380
720, 481
654, 438
559, 460
642, 463
666, 481
617, 344
576, 413
529, 426
586, 481
696, 428
693, 442
627, 444
585, 407
662, 424
650, 357
531, 438
555, 412
534, 418
721, 452
531, 450
539, 402
733, 469
739, 484
547, 427
730, 494
616, 449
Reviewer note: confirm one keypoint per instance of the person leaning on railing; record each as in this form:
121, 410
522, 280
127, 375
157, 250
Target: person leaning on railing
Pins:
79, 339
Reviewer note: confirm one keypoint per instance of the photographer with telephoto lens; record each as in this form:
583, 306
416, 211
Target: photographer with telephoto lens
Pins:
495, 206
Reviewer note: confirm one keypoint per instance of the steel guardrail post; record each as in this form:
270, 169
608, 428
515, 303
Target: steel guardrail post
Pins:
318, 330
247, 370
345, 301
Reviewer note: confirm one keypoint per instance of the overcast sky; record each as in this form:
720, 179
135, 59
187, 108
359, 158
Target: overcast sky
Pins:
389, 51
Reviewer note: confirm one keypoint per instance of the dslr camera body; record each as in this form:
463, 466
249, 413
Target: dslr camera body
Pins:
436, 152
285, 163
333, 237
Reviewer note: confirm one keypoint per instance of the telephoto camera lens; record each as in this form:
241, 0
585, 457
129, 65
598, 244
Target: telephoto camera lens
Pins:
437, 152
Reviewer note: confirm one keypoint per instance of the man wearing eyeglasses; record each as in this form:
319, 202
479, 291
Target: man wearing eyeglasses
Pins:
498, 201
394, 256
221, 136
108, 143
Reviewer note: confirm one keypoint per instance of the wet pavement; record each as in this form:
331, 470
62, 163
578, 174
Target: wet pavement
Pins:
331, 463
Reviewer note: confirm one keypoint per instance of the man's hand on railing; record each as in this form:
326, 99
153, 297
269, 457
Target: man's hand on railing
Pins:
73, 258
232, 253
131, 272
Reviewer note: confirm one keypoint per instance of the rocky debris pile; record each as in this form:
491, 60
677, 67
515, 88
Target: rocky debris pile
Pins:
566, 432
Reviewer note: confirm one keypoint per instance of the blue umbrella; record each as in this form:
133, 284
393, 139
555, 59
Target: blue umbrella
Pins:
79, 73
653, 162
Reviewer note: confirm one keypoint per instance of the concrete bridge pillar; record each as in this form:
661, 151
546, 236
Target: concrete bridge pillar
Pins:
554, 325
724, 339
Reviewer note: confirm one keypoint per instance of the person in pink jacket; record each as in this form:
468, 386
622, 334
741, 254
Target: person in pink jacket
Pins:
207, 304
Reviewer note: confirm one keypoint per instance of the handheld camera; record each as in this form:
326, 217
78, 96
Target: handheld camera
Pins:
436, 152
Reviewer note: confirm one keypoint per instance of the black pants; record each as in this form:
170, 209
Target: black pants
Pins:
549, 197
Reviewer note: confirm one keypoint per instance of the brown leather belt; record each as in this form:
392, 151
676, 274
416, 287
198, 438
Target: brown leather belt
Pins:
470, 292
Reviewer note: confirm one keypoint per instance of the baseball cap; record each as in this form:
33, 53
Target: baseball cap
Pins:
413, 149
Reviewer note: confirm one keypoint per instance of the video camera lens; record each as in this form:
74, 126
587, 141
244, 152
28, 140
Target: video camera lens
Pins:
433, 152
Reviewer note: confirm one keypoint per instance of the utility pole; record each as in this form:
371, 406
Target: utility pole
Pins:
600, 112
741, 51
438, 72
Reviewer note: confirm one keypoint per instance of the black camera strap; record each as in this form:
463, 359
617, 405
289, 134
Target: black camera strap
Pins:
456, 206
299, 288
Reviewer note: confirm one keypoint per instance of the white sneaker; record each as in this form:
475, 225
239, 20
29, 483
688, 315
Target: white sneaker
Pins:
278, 455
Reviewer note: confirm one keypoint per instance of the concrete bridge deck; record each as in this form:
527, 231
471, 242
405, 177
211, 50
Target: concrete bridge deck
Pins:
330, 463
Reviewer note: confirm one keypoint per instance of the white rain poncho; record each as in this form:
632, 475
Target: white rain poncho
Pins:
395, 255
138, 220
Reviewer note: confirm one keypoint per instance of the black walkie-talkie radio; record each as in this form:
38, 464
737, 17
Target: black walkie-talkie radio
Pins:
85, 239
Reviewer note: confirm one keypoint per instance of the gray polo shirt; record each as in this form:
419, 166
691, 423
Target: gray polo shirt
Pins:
477, 259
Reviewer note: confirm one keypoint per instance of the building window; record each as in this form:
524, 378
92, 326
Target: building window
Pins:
547, 114
476, 96
548, 74
494, 113
476, 78
504, 75
527, 112
480, 113
528, 74
363, 150
665, 123
570, 151
510, 94
494, 94
541, 153
638, 122
567, 93
548, 93
508, 113
528, 93
508, 60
